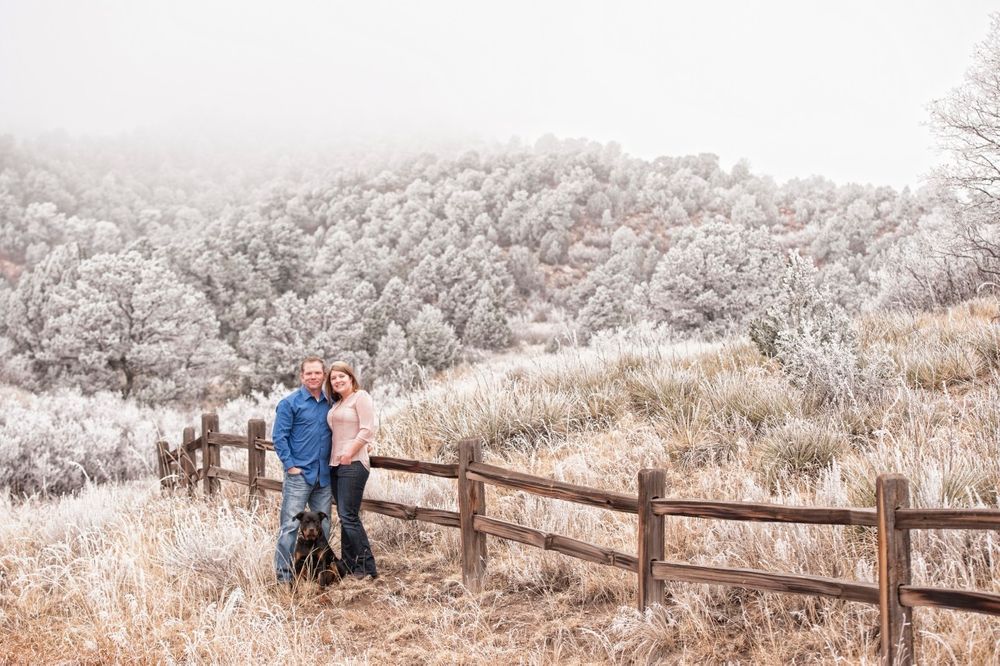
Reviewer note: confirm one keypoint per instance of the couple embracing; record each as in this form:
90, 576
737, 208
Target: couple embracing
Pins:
321, 435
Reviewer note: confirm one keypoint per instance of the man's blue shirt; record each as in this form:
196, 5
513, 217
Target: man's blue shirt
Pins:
302, 436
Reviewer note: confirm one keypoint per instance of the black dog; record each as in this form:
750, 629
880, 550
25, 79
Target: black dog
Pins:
313, 557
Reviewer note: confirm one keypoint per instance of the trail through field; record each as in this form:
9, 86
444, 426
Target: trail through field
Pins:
417, 611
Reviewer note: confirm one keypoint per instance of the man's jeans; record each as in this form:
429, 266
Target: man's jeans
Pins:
349, 484
296, 493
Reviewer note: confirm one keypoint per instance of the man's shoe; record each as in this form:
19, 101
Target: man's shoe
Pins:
358, 575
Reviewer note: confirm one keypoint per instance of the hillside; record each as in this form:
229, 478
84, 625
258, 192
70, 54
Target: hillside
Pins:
411, 263
118, 573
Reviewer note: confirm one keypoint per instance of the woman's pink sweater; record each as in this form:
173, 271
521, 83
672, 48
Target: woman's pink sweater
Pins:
352, 421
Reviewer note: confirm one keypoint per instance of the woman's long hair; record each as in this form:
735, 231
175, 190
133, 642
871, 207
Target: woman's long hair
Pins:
339, 366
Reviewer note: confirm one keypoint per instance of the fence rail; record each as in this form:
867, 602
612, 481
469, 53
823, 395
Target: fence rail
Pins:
892, 518
770, 513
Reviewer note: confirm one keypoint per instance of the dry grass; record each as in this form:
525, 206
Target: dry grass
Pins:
121, 574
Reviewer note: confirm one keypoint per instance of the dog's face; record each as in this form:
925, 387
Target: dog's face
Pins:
310, 524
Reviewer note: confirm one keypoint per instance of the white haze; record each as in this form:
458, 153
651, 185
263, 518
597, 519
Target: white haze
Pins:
835, 88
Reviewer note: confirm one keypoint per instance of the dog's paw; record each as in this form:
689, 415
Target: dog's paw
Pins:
328, 577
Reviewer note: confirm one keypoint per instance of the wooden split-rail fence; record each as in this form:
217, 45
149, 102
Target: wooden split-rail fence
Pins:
892, 517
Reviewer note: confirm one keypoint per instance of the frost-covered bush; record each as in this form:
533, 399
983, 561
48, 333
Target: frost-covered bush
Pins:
816, 342
56, 442
800, 308
927, 269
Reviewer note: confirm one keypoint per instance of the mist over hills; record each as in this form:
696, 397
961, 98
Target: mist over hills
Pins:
211, 267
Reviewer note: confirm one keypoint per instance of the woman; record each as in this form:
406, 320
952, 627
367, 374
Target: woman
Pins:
352, 420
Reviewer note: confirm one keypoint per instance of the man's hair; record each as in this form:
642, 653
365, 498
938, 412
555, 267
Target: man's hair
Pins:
311, 359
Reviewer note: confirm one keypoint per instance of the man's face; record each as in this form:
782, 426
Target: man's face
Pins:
312, 375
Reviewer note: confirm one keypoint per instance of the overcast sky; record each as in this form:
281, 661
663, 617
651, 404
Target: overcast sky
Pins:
798, 88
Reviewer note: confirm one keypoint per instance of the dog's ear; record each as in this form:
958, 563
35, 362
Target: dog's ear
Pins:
323, 516
298, 516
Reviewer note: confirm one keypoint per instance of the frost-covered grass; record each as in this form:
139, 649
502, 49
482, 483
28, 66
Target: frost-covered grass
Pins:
117, 572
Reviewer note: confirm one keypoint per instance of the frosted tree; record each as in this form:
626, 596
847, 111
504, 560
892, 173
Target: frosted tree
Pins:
242, 263
605, 309
397, 303
426, 278
30, 308
93, 236
132, 325
373, 322
627, 265
966, 122
487, 327
27, 235
395, 362
435, 345
916, 274
336, 329
274, 345
524, 269
714, 277
452, 281
336, 248
326, 324
553, 245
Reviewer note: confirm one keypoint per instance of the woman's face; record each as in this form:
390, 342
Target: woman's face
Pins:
341, 382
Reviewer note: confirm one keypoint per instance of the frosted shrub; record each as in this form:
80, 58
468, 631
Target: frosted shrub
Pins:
928, 268
55, 443
815, 341
800, 305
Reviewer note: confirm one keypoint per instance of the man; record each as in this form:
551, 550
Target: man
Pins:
302, 439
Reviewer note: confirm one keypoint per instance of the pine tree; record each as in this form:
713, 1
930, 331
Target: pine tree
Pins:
487, 327
435, 345
40, 297
395, 362
397, 303
274, 345
604, 310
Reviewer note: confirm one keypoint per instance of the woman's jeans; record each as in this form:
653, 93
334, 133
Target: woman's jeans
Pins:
296, 493
348, 483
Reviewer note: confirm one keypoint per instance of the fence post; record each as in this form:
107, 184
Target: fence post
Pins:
163, 463
186, 460
652, 485
471, 502
892, 491
255, 458
209, 452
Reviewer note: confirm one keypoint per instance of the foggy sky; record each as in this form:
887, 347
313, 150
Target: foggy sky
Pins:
838, 89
